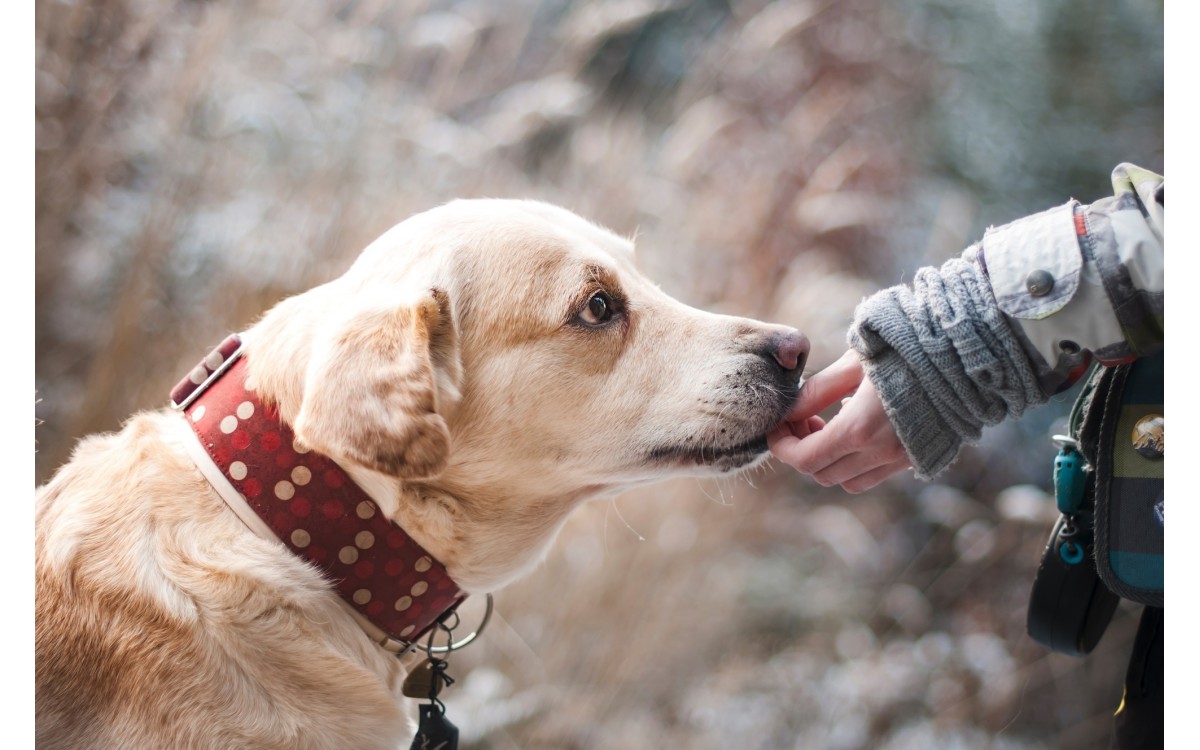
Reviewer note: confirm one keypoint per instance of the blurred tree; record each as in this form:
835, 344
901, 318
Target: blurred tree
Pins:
198, 161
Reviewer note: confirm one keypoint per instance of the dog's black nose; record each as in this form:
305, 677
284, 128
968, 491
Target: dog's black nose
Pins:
790, 350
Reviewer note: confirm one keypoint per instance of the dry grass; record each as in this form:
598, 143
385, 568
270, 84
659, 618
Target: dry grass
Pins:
198, 161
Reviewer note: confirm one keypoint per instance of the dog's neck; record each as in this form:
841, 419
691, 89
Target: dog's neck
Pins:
481, 552
284, 491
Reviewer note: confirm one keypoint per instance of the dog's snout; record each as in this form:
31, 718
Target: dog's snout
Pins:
790, 350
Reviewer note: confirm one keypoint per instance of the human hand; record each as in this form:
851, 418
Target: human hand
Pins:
858, 448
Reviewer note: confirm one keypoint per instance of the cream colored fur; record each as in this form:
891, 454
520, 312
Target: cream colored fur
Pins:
458, 372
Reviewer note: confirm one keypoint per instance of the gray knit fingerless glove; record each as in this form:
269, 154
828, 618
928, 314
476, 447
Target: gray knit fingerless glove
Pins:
944, 360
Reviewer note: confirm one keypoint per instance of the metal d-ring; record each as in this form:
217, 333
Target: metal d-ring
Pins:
452, 646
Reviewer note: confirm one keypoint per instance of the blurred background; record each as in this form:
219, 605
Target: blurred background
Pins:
198, 161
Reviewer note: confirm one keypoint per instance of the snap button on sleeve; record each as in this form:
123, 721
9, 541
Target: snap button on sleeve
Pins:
1039, 283
1044, 243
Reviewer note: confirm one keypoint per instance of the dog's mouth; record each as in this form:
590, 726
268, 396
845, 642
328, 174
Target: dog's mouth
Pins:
725, 447
725, 458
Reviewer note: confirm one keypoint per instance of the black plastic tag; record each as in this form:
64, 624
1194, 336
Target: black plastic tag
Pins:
435, 732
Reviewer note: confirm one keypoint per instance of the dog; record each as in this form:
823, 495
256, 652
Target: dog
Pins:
481, 370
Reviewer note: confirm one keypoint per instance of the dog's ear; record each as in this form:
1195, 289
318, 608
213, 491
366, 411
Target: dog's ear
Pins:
374, 389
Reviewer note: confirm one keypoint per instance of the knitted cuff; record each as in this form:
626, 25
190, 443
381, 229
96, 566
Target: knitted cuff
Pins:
944, 360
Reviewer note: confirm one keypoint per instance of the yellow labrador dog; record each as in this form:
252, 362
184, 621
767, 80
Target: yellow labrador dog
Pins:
480, 371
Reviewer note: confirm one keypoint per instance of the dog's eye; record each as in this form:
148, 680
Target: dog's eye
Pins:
598, 310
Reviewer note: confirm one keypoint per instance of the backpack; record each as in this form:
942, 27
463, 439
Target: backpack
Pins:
1108, 479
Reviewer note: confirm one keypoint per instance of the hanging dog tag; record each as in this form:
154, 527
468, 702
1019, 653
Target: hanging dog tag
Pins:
435, 732
420, 681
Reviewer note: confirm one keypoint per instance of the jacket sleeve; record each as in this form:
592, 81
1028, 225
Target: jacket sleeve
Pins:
1016, 318
1084, 280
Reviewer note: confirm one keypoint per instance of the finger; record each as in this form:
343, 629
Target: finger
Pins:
782, 441
848, 467
861, 458
876, 476
812, 454
799, 430
827, 387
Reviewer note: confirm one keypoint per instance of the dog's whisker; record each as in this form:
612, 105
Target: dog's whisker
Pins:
618, 512
700, 484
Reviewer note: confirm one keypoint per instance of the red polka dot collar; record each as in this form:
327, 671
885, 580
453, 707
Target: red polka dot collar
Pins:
396, 590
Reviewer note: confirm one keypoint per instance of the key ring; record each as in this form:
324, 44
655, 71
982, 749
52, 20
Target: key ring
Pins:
1064, 441
452, 646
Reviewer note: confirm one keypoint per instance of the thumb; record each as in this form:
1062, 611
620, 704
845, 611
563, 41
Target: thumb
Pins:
828, 387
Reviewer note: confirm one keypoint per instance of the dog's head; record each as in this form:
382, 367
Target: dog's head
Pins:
508, 358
